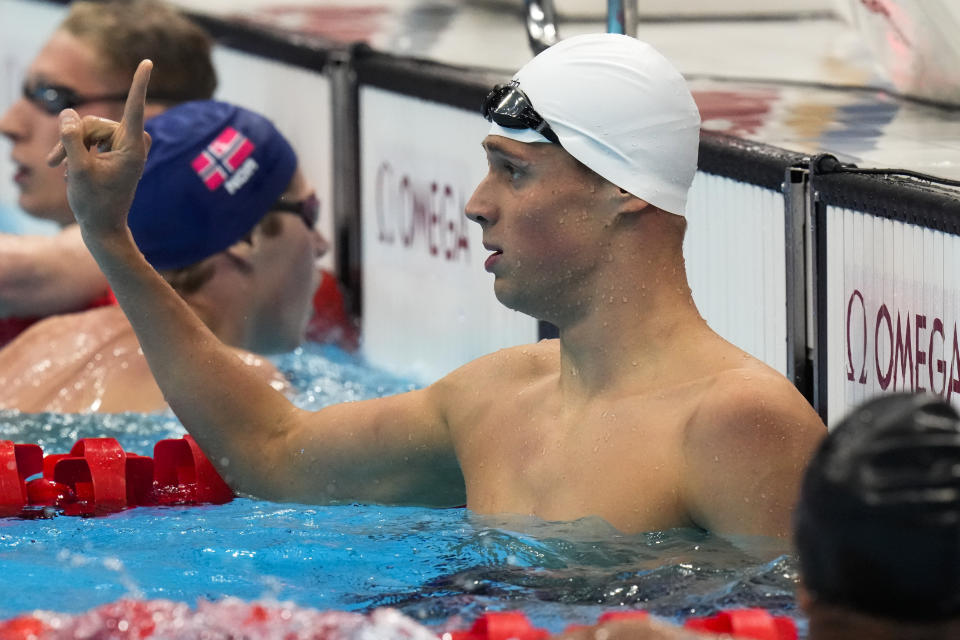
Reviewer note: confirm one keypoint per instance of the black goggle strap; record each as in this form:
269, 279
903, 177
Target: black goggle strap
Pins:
55, 98
544, 129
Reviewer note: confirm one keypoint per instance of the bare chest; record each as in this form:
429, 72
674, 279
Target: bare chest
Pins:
620, 460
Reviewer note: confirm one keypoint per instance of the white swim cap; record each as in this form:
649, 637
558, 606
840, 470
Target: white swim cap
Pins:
620, 108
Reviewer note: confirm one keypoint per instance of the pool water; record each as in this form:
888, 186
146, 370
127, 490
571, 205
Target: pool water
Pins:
443, 567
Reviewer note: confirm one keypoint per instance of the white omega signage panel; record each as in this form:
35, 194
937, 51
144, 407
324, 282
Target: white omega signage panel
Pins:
298, 102
736, 264
893, 308
428, 303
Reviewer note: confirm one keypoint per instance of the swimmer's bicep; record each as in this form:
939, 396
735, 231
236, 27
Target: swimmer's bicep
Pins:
395, 449
390, 425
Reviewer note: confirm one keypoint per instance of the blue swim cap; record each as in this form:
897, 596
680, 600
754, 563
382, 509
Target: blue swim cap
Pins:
878, 523
214, 170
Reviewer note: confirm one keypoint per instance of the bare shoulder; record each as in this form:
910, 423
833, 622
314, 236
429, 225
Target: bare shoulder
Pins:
87, 329
754, 411
754, 395
746, 447
466, 392
82, 361
509, 366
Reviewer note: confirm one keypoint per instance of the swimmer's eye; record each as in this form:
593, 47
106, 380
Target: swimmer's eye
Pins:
514, 172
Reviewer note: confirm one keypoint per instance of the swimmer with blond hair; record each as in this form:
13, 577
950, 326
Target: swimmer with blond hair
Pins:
639, 413
86, 64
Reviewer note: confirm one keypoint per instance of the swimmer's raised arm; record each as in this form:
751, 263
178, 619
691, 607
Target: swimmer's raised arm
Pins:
261, 443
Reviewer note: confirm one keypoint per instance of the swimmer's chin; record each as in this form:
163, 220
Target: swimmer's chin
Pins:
519, 303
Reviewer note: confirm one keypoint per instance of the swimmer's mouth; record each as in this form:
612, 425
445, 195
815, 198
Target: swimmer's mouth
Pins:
21, 174
493, 258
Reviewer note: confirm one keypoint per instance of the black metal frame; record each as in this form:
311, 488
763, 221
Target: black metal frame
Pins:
309, 52
462, 87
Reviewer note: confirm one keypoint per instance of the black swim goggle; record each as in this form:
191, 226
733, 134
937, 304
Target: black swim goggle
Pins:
510, 108
54, 98
307, 209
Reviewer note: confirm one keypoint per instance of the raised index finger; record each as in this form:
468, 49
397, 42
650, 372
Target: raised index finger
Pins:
132, 120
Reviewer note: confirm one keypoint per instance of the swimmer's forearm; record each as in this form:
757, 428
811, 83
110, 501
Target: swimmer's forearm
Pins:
225, 406
389, 450
42, 275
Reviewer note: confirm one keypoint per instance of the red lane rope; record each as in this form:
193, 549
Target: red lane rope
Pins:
98, 477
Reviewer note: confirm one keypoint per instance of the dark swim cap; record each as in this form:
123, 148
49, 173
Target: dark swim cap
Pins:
213, 172
878, 523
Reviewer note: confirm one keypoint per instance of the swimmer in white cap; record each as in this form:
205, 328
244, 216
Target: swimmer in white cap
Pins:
638, 414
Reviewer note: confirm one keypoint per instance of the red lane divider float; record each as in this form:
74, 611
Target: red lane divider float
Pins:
500, 625
233, 618
227, 618
99, 477
749, 624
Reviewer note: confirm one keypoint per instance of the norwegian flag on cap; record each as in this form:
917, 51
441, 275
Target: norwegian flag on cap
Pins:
205, 152
222, 157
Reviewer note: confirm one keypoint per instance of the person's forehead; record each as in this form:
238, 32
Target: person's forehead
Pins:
499, 145
66, 60
544, 155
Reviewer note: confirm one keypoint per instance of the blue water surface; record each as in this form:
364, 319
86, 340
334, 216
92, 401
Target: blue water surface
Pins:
441, 566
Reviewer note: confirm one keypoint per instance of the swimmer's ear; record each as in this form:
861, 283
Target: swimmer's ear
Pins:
629, 206
241, 254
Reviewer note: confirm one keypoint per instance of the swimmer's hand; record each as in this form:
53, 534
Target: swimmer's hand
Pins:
104, 160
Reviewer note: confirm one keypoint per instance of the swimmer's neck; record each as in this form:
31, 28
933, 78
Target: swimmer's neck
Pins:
631, 322
632, 336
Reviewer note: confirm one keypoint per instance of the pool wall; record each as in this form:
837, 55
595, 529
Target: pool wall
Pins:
846, 283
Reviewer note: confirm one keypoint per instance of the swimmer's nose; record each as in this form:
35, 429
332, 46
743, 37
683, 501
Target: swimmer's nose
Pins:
479, 208
13, 121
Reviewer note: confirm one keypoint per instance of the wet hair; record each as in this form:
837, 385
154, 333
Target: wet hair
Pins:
190, 279
877, 527
124, 32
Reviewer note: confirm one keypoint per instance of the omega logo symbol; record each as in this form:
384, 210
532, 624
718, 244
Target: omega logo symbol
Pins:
905, 355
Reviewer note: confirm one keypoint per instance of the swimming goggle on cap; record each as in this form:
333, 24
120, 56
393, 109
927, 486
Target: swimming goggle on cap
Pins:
507, 106
616, 105
213, 172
